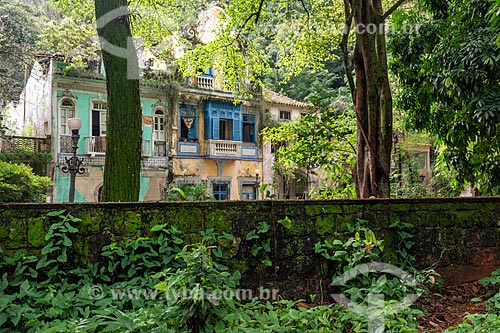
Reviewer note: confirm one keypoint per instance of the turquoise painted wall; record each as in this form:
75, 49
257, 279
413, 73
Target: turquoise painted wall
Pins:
83, 108
62, 189
83, 102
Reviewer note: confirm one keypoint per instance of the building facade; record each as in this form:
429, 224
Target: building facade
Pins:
284, 109
194, 133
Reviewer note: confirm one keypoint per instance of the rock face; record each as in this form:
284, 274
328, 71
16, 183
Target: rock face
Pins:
458, 236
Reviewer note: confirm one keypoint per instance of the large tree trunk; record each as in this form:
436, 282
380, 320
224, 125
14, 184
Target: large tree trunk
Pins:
124, 126
371, 97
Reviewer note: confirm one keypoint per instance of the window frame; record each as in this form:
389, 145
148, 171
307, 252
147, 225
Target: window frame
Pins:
159, 114
251, 121
188, 112
102, 116
243, 194
217, 193
63, 115
285, 112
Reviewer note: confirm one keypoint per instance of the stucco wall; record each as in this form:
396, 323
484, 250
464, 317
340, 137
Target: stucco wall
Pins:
460, 236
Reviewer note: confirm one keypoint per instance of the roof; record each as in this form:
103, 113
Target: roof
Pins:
273, 97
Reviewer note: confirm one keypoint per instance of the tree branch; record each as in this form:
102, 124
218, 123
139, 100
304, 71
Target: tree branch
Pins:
344, 46
392, 9
307, 11
254, 14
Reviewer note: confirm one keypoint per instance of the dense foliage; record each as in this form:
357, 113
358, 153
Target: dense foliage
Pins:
18, 183
189, 192
163, 284
322, 141
448, 73
18, 34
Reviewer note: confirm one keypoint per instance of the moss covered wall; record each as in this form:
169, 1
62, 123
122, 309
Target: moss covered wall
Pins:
460, 236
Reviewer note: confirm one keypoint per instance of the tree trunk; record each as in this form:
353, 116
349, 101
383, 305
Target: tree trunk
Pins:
372, 100
124, 126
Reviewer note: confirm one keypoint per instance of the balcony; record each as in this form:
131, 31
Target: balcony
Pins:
231, 149
205, 82
21, 143
95, 145
159, 148
65, 144
154, 163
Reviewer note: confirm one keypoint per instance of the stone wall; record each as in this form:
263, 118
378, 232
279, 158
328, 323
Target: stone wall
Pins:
458, 236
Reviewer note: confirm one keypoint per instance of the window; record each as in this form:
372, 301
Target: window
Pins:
209, 72
67, 110
220, 191
159, 135
226, 129
248, 128
99, 118
248, 192
285, 115
222, 121
159, 126
188, 123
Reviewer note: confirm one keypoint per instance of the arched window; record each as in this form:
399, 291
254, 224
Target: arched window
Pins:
159, 133
67, 110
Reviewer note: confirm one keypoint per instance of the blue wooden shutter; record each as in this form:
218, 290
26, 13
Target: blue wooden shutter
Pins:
237, 124
208, 122
192, 130
237, 127
215, 128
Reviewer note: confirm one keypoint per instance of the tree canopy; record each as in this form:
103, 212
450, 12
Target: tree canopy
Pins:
449, 77
319, 141
18, 35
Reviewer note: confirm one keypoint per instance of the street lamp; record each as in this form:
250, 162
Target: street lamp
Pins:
257, 183
73, 163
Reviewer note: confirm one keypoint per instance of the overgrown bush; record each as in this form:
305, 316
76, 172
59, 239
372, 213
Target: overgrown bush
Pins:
18, 183
161, 284
189, 192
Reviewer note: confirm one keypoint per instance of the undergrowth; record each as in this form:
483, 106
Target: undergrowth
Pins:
162, 284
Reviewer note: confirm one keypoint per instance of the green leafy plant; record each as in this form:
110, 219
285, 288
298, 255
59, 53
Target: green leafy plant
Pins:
159, 284
189, 192
262, 240
361, 247
200, 288
18, 183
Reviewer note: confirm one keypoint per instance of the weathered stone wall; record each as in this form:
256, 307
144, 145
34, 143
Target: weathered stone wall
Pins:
459, 236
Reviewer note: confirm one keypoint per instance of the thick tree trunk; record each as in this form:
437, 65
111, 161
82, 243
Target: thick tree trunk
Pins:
124, 125
372, 101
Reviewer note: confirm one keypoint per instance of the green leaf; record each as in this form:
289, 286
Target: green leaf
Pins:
158, 227
252, 235
56, 213
286, 222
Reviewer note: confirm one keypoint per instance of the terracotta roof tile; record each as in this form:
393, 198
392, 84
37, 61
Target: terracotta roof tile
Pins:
273, 97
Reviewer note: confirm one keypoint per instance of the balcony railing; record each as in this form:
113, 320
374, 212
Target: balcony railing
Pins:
160, 148
154, 162
95, 145
231, 149
205, 82
17, 143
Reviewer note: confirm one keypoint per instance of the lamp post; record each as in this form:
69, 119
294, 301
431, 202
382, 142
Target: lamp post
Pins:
73, 163
257, 183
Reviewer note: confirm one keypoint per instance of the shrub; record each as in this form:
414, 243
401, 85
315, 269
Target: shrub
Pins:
18, 183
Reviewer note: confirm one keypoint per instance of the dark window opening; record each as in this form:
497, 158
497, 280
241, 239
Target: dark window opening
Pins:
285, 115
188, 123
226, 129
220, 191
248, 128
248, 192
